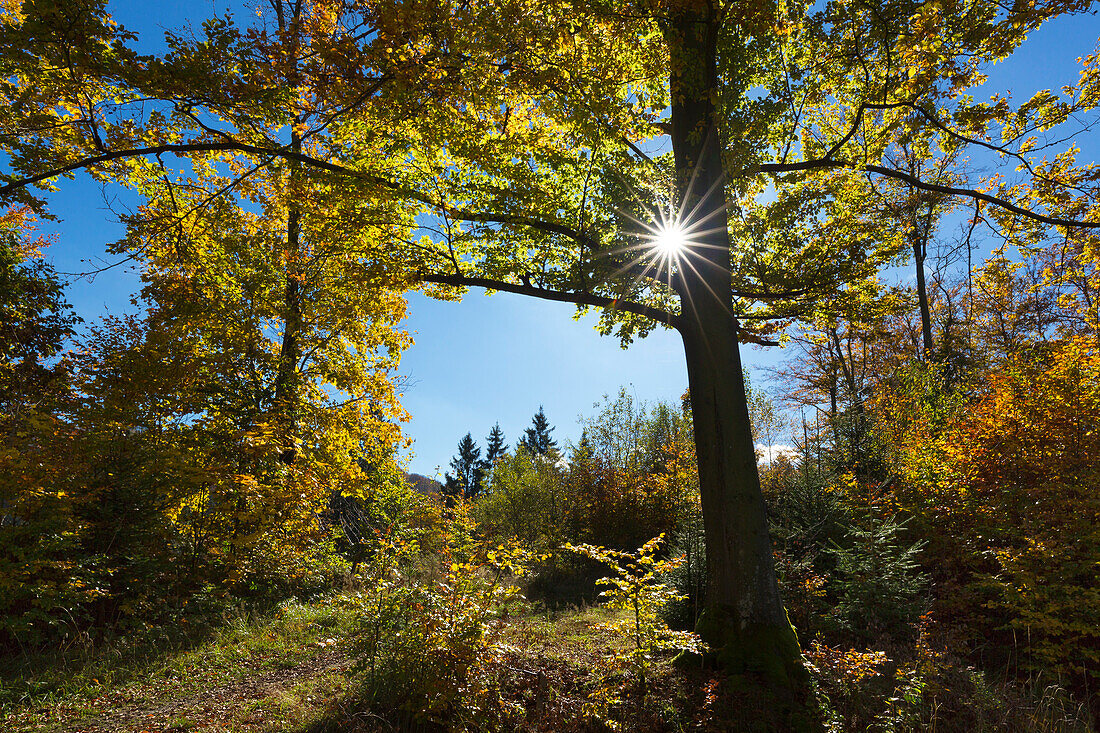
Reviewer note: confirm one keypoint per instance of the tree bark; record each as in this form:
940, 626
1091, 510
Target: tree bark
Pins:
743, 621
290, 351
920, 251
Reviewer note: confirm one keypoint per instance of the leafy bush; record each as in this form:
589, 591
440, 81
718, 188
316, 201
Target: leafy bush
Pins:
634, 461
425, 630
635, 589
1002, 487
528, 500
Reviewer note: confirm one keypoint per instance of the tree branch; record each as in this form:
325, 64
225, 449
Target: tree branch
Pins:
979, 196
916, 182
598, 301
805, 165
184, 148
945, 129
527, 221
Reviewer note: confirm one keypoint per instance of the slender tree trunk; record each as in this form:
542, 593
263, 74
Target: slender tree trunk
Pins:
743, 621
290, 351
920, 251
287, 385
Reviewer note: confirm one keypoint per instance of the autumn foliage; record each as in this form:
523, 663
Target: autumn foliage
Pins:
1003, 485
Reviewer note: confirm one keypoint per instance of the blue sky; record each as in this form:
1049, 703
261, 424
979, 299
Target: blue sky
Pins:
488, 360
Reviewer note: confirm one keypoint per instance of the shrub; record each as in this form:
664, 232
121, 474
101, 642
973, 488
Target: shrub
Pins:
635, 589
688, 578
527, 500
425, 630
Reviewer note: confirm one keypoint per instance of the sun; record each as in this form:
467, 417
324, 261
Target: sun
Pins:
669, 239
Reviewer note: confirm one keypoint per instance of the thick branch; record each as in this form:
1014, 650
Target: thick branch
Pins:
182, 149
289, 154
311, 161
598, 301
916, 182
527, 221
805, 165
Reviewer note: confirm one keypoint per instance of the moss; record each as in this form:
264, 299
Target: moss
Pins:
762, 661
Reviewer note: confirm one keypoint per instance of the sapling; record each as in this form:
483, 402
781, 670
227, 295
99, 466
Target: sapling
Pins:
635, 588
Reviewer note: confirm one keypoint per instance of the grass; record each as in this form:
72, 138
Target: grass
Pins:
286, 670
167, 681
568, 636
289, 670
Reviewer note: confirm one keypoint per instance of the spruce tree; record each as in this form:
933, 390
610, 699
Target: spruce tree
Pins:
583, 452
495, 445
495, 448
537, 438
468, 471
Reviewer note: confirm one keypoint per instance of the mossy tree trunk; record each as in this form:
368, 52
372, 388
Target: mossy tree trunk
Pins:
743, 621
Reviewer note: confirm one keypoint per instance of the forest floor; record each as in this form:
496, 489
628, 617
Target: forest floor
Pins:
272, 672
293, 670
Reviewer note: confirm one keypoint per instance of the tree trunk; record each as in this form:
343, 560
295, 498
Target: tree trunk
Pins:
920, 250
743, 621
287, 379
290, 351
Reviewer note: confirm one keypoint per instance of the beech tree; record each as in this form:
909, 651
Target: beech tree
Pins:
518, 131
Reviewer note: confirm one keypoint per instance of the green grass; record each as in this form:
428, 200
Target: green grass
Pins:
277, 671
569, 636
164, 671
289, 670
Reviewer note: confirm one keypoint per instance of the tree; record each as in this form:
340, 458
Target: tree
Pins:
536, 439
257, 383
537, 188
40, 567
630, 474
767, 421
469, 471
529, 500
495, 447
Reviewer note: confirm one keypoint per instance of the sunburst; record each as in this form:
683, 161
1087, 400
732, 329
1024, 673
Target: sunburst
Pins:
669, 239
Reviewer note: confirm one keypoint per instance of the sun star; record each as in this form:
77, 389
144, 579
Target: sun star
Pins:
669, 239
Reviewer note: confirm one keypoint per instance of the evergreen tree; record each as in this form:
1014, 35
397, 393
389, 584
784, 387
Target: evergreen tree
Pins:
878, 579
468, 471
583, 451
495, 448
536, 438
495, 445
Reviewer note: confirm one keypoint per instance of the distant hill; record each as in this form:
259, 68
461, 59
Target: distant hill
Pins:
423, 484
